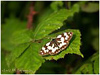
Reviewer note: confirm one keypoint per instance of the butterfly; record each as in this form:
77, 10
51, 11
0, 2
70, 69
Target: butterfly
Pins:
56, 45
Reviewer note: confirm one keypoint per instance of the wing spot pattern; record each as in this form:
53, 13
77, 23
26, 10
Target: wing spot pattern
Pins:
56, 45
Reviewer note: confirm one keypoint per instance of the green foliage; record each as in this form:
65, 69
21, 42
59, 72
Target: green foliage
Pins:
30, 61
95, 42
90, 66
23, 54
96, 65
54, 5
19, 37
12, 25
89, 7
13, 7
44, 15
4, 68
54, 22
21, 46
73, 48
17, 51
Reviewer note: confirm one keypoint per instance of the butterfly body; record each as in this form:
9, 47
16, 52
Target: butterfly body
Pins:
56, 45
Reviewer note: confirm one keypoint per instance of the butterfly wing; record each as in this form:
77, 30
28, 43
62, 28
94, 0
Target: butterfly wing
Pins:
63, 40
56, 45
49, 48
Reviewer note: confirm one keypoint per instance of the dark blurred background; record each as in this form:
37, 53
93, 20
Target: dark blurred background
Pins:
87, 21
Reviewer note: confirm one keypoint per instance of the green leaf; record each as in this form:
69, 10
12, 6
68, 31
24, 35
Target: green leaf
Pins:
91, 66
16, 52
95, 41
30, 61
96, 65
73, 48
53, 22
95, 60
44, 15
4, 68
19, 37
90, 7
56, 4
7, 29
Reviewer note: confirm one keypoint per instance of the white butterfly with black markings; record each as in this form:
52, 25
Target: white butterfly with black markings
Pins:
56, 45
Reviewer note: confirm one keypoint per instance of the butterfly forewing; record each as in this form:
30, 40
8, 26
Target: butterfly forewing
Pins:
56, 45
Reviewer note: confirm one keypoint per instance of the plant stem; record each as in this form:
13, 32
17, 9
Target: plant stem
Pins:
31, 16
17, 71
